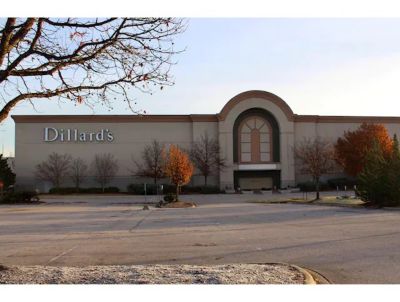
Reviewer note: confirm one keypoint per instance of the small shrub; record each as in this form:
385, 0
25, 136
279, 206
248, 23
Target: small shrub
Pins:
190, 190
70, 190
341, 182
111, 190
91, 190
169, 189
310, 186
200, 190
151, 189
138, 189
20, 197
64, 191
170, 197
211, 190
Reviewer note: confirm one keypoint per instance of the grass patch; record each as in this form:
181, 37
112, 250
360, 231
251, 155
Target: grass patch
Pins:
325, 200
342, 201
180, 204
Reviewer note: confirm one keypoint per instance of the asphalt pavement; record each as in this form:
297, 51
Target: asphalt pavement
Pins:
346, 245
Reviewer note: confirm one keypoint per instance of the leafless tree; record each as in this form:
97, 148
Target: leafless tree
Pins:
315, 157
85, 61
105, 166
153, 162
55, 169
206, 156
78, 171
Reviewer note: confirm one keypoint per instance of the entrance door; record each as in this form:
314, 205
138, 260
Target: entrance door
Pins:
255, 183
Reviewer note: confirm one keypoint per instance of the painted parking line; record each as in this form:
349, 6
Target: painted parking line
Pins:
61, 255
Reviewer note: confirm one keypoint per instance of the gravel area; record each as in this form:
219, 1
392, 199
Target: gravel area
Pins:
154, 274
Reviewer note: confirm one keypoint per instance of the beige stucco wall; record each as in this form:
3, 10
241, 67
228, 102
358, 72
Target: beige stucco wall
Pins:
131, 135
332, 131
129, 141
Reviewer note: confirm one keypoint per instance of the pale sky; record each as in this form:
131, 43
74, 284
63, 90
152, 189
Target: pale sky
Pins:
318, 66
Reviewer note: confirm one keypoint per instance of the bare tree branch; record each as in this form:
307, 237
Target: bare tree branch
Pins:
105, 167
78, 172
90, 61
315, 158
206, 156
153, 163
55, 169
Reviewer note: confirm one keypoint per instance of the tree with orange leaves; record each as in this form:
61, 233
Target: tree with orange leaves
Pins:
351, 149
178, 167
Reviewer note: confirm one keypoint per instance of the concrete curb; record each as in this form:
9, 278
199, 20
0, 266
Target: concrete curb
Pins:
308, 278
318, 277
391, 208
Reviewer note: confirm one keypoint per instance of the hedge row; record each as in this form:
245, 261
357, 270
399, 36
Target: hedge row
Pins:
138, 189
151, 189
70, 190
341, 182
331, 184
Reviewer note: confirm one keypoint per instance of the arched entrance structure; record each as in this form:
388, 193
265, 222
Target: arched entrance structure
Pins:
256, 134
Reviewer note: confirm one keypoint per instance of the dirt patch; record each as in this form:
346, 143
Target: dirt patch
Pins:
154, 274
180, 204
205, 244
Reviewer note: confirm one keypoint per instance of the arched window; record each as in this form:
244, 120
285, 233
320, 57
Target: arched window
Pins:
255, 140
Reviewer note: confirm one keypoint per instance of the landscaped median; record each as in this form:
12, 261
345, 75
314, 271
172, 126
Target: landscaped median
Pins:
326, 200
275, 273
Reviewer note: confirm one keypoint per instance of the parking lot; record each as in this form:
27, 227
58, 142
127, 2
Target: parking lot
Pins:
347, 245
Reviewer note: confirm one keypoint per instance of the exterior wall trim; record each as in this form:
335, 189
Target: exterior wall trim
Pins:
256, 94
115, 118
345, 119
205, 117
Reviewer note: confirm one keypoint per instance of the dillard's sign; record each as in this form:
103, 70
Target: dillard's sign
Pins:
75, 135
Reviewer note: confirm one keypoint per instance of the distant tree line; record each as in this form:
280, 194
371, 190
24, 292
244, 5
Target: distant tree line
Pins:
60, 167
367, 154
157, 162
204, 153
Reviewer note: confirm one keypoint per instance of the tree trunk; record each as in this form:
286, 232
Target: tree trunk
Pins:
155, 184
317, 189
177, 192
205, 180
